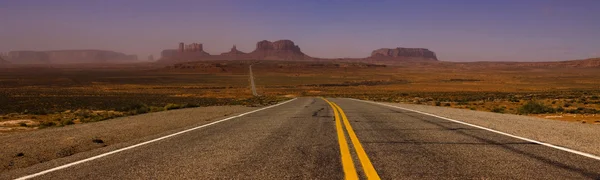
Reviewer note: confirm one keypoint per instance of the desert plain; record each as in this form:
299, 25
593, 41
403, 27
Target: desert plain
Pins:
35, 97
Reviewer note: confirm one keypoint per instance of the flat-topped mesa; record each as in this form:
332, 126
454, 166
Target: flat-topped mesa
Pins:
185, 52
281, 45
194, 47
404, 53
278, 50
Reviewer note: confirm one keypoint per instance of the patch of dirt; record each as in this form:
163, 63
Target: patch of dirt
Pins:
582, 118
289, 96
6, 130
18, 122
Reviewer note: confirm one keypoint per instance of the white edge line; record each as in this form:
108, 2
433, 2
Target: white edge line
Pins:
492, 130
144, 143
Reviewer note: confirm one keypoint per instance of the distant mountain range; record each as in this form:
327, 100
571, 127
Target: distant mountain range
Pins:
68, 57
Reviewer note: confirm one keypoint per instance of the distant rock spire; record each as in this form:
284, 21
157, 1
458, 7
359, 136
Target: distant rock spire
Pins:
181, 47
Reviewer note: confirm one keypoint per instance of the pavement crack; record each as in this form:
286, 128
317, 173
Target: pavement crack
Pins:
316, 113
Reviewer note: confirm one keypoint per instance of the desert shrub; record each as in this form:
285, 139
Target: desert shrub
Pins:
45, 124
156, 109
173, 106
582, 110
84, 113
535, 107
140, 110
462, 103
68, 121
131, 107
447, 104
39, 112
567, 105
591, 111
190, 105
22, 124
560, 109
437, 103
94, 117
498, 109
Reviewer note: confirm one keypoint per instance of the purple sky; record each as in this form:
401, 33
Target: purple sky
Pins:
458, 30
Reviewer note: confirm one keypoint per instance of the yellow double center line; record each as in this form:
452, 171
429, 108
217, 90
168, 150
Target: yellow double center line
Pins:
347, 163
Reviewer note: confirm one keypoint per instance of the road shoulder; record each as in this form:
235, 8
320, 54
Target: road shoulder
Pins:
25, 149
581, 137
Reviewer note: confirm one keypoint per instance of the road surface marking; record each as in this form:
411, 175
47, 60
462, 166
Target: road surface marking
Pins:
252, 86
362, 155
492, 130
144, 143
347, 164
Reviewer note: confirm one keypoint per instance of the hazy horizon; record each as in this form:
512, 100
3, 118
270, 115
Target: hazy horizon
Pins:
511, 30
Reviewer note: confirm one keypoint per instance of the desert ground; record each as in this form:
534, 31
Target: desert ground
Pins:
42, 97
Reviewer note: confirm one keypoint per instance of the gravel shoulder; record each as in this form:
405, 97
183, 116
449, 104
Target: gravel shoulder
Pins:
25, 149
577, 136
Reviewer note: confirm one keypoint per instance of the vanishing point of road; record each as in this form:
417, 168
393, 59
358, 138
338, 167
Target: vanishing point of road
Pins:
333, 138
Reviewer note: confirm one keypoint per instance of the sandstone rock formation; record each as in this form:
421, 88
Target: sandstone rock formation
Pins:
68, 57
191, 51
265, 50
404, 53
234, 52
287, 50
278, 50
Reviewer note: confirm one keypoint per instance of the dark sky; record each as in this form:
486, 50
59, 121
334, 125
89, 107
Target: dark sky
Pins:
457, 30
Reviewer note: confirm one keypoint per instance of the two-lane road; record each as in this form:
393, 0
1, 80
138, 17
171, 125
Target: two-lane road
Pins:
301, 140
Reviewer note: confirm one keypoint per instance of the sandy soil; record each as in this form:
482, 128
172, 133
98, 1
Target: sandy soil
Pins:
25, 149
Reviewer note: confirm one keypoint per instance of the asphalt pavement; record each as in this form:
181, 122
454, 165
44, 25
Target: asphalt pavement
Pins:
299, 140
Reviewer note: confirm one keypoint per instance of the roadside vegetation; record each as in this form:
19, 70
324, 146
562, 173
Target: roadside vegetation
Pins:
32, 98
577, 105
51, 99
62, 116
